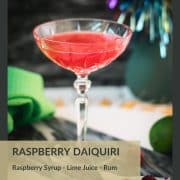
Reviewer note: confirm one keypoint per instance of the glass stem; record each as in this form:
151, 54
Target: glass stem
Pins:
82, 84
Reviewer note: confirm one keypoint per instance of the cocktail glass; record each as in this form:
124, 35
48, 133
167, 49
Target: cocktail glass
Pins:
82, 46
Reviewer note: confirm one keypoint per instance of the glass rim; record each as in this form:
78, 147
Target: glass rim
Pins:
36, 35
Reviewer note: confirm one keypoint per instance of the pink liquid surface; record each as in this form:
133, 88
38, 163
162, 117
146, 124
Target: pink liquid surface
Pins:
82, 52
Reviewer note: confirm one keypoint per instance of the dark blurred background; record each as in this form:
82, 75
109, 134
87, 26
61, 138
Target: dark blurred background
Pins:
140, 66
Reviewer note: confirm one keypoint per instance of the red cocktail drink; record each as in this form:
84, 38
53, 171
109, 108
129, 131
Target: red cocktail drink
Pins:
82, 46
82, 52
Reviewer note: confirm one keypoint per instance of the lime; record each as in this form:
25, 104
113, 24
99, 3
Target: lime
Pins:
161, 135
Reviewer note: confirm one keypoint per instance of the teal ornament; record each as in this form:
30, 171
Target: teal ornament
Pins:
148, 75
